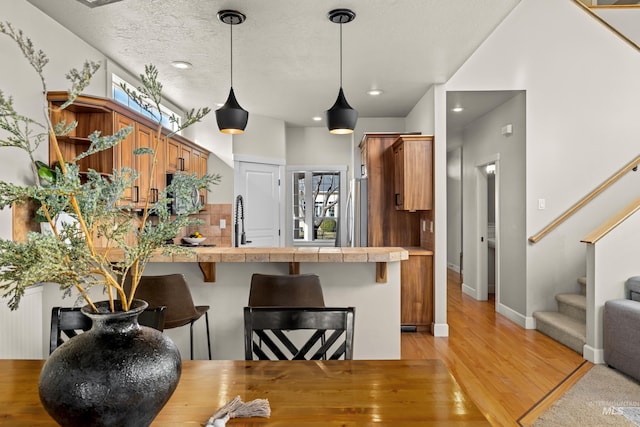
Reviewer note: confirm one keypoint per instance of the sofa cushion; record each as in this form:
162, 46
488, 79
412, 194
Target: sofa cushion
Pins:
621, 335
632, 288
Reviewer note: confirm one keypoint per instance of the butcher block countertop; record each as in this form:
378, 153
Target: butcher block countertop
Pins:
207, 257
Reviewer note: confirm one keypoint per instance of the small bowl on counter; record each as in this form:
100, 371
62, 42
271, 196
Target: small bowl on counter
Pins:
193, 240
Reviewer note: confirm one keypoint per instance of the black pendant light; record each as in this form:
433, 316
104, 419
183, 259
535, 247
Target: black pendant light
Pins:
341, 118
231, 117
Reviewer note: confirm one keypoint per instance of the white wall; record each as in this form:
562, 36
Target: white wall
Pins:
421, 118
582, 91
223, 192
316, 146
264, 137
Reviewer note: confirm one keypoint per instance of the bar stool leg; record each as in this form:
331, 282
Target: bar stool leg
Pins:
206, 318
191, 338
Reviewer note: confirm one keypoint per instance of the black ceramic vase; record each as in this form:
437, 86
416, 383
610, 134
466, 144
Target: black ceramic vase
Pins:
116, 374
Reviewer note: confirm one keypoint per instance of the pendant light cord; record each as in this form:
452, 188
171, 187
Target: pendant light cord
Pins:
231, 32
340, 53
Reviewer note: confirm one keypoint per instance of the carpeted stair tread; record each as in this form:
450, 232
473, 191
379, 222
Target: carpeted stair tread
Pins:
574, 300
573, 305
562, 328
582, 281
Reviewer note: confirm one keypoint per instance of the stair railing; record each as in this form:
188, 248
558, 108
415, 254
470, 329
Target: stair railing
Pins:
632, 165
612, 222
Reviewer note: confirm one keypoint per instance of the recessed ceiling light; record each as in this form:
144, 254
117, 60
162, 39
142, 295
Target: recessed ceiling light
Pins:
97, 3
457, 109
182, 65
375, 92
317, 118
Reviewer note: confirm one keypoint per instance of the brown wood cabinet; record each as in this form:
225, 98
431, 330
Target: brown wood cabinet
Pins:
386, 226
416, 290
389, 226
199, 166
413, 172
124, 154
107, 116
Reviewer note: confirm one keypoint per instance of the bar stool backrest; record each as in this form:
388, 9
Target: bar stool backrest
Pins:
67, 322
296, 333
172, 291
293, 290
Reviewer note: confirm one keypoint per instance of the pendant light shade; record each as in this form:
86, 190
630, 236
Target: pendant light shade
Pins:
341, 118
231, 117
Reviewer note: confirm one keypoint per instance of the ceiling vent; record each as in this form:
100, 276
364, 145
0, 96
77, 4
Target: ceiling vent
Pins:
97, 3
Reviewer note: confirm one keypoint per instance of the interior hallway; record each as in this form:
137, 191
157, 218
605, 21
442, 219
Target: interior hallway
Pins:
504, 368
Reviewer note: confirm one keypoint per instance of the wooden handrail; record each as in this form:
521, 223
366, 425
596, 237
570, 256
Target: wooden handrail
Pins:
612, 222
586, 199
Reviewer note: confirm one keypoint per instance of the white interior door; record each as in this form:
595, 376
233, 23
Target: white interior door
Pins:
259, 186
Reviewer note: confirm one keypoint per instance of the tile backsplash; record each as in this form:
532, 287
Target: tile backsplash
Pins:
210, 228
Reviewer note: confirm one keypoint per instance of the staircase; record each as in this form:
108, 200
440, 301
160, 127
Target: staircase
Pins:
567, 325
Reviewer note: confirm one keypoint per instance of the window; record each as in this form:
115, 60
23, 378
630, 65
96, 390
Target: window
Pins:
317, 202
119, 95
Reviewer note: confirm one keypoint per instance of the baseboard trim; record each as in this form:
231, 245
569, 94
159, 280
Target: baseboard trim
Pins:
593, 355
453, 267
440, 329
468, 290
512, 315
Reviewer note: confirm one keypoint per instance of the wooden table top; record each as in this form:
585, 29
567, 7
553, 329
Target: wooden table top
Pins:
300, 393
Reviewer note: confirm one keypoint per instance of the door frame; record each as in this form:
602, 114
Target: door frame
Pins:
237, 180
482, 246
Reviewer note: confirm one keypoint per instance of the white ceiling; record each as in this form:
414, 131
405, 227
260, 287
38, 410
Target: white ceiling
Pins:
286, 54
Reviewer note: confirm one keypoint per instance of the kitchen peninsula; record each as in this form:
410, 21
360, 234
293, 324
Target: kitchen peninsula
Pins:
365, 278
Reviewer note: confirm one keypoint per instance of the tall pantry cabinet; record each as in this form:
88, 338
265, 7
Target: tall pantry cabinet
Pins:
399, 171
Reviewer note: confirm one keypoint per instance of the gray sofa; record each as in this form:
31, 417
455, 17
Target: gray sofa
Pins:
622, 330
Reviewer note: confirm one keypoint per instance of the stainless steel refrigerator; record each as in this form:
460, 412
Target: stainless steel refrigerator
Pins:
357, 208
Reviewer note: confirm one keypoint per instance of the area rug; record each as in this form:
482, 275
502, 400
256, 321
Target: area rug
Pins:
602, 397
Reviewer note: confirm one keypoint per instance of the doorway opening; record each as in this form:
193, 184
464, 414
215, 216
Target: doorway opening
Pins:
488, 226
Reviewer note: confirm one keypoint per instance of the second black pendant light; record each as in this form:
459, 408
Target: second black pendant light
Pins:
341, 118
231, 117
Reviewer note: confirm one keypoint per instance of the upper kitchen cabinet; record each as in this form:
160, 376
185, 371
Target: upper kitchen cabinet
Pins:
179, 156
413, 172
107, 116
199, 166
182, 157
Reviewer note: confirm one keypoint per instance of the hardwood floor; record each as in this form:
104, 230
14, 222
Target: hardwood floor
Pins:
505, 369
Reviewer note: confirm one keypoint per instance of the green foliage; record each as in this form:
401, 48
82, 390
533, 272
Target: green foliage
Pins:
69, 256
328, 225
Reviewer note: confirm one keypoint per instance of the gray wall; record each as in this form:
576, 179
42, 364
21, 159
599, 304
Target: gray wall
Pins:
454, 207
482, 140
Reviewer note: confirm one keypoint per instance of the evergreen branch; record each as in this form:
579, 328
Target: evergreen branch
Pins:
101, 143
79, 80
